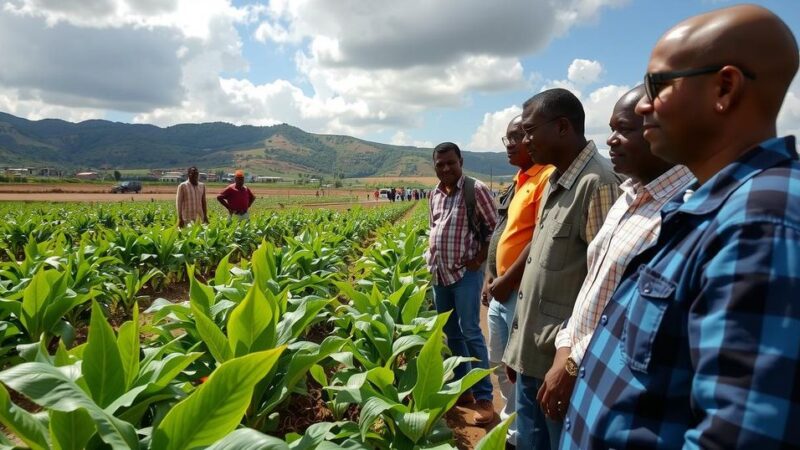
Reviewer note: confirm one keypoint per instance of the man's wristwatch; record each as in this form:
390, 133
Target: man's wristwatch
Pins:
571, 367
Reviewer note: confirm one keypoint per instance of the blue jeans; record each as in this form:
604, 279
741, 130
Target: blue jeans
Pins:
501, 316
463, 329
535, 431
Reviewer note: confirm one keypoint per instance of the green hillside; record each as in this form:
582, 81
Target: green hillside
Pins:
278, 149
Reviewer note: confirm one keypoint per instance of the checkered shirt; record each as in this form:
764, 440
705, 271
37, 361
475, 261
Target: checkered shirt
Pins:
602, 198
631, 226
700, 345
451, 243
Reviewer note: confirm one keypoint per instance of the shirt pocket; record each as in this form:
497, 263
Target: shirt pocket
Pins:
643, 317
553, 253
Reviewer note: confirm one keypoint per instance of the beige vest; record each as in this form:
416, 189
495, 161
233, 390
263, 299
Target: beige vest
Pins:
555, 269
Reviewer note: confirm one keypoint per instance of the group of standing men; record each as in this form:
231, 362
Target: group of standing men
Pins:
649, 301
190, 201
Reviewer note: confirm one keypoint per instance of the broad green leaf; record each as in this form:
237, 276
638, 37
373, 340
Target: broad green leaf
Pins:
217, 406
62, 357
293, 324
413, 424
128, 343
212, 336
49, 387
373, 409
22, 423
447, 397
430, 370
171, 366
404, 344
412, 306
251, 326
199, 293
71, 430
314, 435
102, 366
34, 301
496, 439
318, 374
249, 439
223, 273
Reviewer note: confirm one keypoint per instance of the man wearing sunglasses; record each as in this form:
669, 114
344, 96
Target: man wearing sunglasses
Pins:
700, 346
579, 194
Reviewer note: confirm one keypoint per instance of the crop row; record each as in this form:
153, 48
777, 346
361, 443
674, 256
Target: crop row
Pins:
226, 368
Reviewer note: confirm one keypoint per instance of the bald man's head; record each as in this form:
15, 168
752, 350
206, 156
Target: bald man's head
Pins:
749, 37
716, 83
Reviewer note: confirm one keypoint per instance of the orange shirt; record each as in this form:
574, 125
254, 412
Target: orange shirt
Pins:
522, 213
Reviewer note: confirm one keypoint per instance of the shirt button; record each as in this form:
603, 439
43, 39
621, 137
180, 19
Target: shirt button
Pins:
566, 423
603, 319
648, 288
515, 325
582, 372
520, 296
529, 259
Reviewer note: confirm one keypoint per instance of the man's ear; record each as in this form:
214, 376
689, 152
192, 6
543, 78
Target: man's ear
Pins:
461, 162
563, 126
730, 85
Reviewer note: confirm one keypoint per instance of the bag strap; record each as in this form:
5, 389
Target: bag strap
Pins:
471, 204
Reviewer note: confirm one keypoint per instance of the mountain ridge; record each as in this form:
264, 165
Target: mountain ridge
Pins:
275, 149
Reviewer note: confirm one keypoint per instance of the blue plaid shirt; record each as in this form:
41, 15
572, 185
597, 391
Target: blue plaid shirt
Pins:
700, 345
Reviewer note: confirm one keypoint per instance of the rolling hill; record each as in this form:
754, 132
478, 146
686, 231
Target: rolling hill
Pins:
278, 149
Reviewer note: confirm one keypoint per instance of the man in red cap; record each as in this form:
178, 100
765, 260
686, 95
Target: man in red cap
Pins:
237, 198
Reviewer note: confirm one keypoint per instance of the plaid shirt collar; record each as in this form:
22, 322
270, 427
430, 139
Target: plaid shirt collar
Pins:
714, 192
660, 187
459, 185
567, 179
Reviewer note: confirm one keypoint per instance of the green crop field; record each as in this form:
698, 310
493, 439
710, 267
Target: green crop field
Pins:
298, 330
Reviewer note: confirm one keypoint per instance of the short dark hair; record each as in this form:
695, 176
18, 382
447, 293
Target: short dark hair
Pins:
559, 102
190, 169
445, 147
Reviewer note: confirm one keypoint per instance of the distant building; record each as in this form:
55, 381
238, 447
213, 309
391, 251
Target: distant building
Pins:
171, 177
268, 179
19, 171
49, 172
86, 175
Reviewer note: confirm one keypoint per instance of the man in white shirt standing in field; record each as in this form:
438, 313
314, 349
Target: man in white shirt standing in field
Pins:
191, 199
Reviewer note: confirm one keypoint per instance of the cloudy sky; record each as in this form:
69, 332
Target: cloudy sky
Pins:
413, 72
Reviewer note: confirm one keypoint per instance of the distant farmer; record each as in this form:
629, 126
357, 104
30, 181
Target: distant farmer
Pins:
191, 199
237, 198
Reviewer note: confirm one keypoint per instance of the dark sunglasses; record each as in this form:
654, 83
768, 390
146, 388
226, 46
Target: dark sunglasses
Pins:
655, 82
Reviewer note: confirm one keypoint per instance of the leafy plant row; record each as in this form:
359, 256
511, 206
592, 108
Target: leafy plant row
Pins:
219, 370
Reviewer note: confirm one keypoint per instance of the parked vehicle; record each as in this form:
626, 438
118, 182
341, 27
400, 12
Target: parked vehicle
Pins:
127, 186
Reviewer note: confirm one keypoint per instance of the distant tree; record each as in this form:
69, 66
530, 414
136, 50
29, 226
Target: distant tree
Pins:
117, 175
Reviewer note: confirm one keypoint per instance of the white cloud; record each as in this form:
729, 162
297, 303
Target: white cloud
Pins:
401, 138
363, 67
597, 105
789, 117
584, 71
492, 129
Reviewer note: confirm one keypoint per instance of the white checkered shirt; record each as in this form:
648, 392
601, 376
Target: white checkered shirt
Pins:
632, 226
